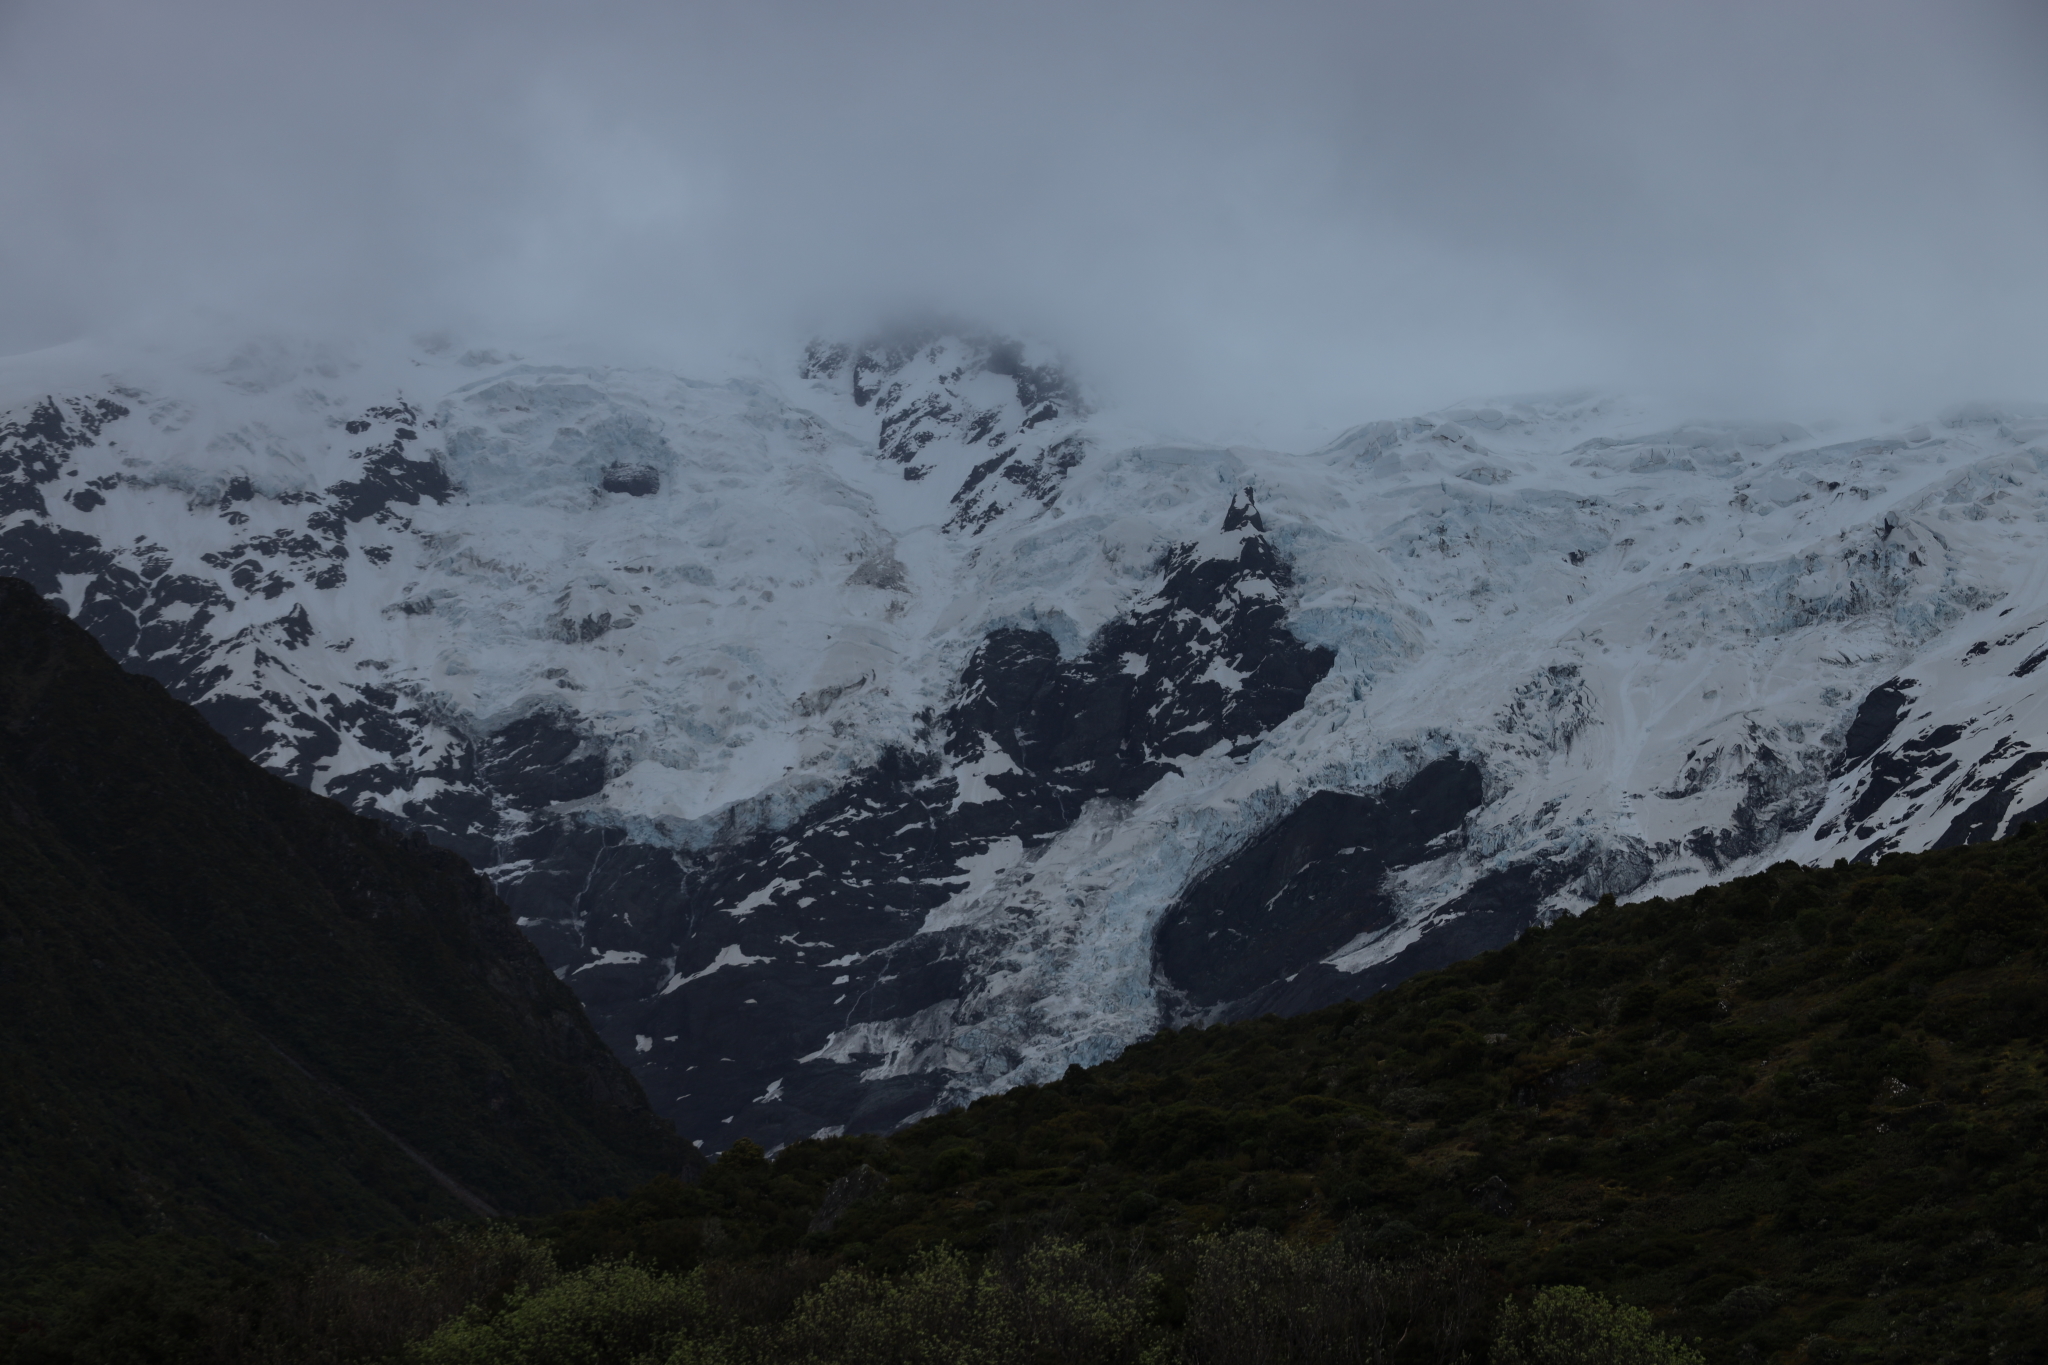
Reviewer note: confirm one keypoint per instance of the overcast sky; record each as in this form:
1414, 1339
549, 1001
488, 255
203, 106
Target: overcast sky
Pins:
1249, 219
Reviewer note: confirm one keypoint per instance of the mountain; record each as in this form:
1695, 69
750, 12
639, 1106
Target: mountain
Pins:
231, 1005
863, 738
1798, 1115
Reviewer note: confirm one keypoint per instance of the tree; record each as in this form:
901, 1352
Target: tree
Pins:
1568, 1325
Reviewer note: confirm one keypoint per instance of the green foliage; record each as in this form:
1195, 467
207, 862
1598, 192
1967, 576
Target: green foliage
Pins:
1797, 1142
1567, 1325
1667, 1102
173, 1299
1237, 1299
1052, 1304
1254, 1297
612, 1313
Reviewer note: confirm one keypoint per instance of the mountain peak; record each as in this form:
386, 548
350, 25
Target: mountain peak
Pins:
997, 428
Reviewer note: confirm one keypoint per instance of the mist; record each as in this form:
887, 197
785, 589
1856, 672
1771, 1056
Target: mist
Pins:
1239, 222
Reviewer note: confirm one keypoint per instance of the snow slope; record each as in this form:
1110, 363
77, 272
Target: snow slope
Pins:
873, 736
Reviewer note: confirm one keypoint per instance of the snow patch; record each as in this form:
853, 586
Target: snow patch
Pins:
729, 956
973, 777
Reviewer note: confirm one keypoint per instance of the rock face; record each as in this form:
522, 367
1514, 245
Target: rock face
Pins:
852, 902
1016, 421
870, 737
231, 1004
1309, 885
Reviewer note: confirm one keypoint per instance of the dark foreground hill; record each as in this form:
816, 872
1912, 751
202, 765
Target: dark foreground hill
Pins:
228, 1006
1798, 1118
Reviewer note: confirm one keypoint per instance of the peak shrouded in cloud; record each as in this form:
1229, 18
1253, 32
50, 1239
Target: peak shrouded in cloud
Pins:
1268, 221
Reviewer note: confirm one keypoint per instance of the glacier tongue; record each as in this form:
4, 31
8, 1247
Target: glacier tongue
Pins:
862, 740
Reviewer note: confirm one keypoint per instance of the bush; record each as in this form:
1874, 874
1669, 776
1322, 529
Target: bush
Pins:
611, 1313
1567, 1325
182, 1300
1057, 1302
928, 1313
1250, 1298
350, 1311
1254, 1298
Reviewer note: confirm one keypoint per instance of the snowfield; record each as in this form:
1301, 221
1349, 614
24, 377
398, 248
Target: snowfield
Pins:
866, 738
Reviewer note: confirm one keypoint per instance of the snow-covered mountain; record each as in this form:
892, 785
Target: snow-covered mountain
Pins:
872, 737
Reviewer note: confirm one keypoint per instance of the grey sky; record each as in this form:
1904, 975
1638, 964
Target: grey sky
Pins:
1243, 219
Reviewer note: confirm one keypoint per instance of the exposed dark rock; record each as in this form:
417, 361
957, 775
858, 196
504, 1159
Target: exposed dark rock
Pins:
41, 553
879, 570
1011, 455
1309, 885
1983, 819
1490, 914
1207, 660
167, 626
542, 758
1876, 717
732, 964
634, 480
1895, 769
37, 451
390, 473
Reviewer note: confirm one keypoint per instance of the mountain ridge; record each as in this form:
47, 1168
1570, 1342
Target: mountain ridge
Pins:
600, 629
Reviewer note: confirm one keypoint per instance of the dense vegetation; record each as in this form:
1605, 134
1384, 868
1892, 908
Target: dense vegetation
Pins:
1802, 1111
229, 1006
1796, 1117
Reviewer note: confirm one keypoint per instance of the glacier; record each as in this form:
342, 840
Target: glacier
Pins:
863, 736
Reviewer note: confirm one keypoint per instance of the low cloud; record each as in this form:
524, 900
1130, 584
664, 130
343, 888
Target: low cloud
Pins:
1247, 221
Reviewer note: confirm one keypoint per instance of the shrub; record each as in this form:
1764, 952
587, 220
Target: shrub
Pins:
611, 1313
858, 1316
1638, 1004
365, 1311
1057, 1302
1072, 1305
1254, 1298
1567, 1325
1686, 1005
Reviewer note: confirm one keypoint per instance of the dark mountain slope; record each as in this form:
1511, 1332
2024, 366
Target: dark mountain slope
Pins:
227, 1002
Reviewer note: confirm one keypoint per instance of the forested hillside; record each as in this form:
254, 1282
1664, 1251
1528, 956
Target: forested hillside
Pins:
1803, 1107
1796, 1117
